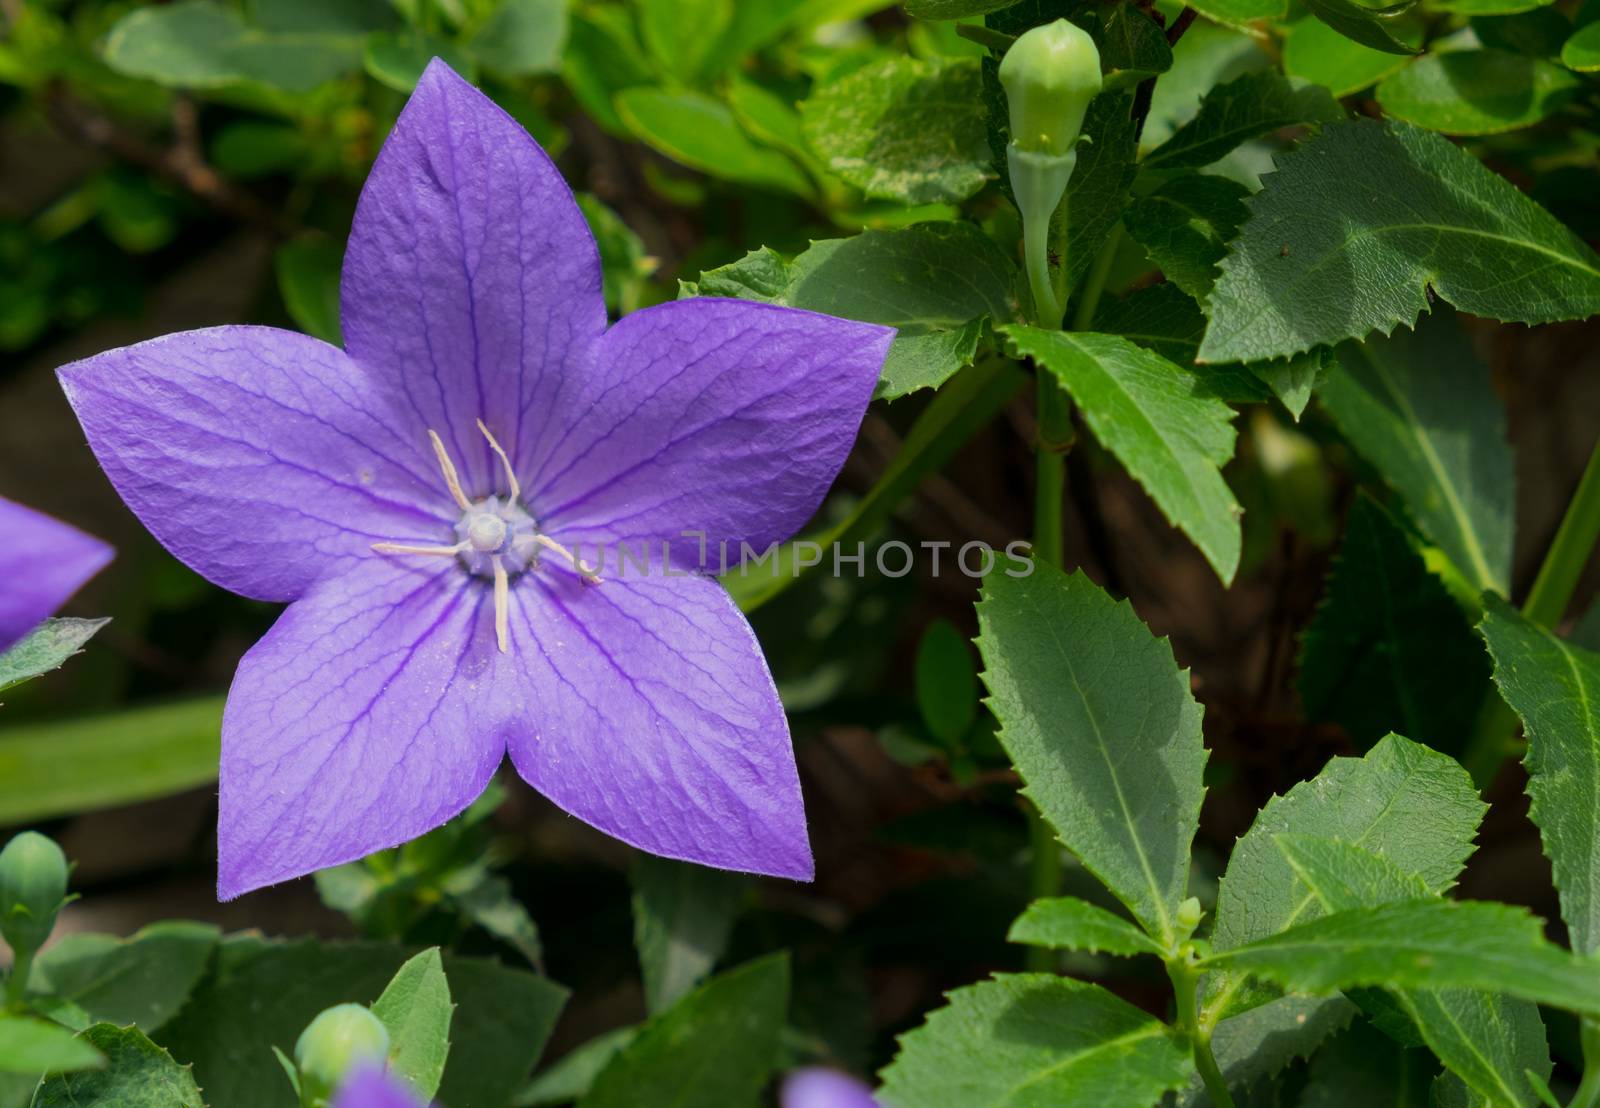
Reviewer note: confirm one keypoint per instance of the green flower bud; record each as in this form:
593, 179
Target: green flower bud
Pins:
1189, 914
334, 1045
33, 886
1050, 74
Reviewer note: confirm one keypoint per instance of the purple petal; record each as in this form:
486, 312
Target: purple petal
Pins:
42, 562
817, 1087
372, 1088
712, 415
471, 282
257, 456
654, 718
368, 715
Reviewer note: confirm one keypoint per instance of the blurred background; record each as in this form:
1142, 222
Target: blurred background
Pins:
171, 166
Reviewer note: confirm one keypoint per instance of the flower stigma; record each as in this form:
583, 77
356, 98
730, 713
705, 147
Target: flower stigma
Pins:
497, 538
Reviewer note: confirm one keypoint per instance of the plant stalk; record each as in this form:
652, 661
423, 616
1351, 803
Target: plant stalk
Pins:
1588, 1094
17, 979
1185, 987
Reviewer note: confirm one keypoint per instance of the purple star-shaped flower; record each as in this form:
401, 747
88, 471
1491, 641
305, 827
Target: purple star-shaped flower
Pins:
371, 1087
421, 498
42, 563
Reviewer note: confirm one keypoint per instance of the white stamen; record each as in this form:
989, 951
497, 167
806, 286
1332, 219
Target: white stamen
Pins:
511, 477
502, 605
405, 548
584, 571
449, 468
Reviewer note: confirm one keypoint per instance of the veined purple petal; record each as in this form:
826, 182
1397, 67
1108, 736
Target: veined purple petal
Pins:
258, 457
369, 714
652, 716
819, 1087
471, 281
42, 562
720, 416
373, 1088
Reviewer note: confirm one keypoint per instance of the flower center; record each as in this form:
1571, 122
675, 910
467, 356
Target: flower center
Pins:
497, 539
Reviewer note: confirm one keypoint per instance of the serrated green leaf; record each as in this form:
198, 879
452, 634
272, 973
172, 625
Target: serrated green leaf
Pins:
1419, 407
946, 683
936, 283
1362, 1066
1343, 875
521, 37
79, 765
45, 648
1358, 221
1100, 723
308, 281
1133, 47
1317, 53
31, 1047
682, 917
1247, 107
1371, 26
144, 979
903, 129
1293, 381
1554, 687
1161, 318
1488, 1041
712, 1049
1067, 923
137, 1074
700, 132
1389, 646
1186, 224
415, 1008
1159, 420
1411, 805
1476, 92
1423, 944
570, 1076
1582, 50
1034, 1039
263, 993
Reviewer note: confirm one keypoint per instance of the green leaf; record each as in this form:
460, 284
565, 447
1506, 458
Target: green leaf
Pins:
700, 132
137, 1074
957, 411
31, 1046
936, 282
308, 280
1423, 944
1317, 53
397, 58
946, 683
953, 9
45, 648
1411, 805
1370, 26
903, 129
682, 917
712, 1049
1067, 923
1419, 407
415, 1008
1342, 875
1133, 47
1102, 727
1582, 50
1487, 1040
262, 993
1247, 107
489, 902
1098, 187
681, 34
1360, 220
142, 980
202, 44
1185, 225
1035, 1039
1476, 92
624, 266
1488, 7
344, 17
79, 765
1159, 420
568, 1078
1554, 687
1538, 34
603, 57
1389, 646
1363, 1066
1293, 381
1241, 13
1256, 1044
522, 37
1161, 318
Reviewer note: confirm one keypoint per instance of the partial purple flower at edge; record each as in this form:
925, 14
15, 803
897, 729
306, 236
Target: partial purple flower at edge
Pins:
424, 497
819, 1087
372, 1088
42, 562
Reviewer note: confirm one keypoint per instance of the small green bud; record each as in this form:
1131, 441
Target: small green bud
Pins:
1050, 74
1189, 913
335, 1045
33, 886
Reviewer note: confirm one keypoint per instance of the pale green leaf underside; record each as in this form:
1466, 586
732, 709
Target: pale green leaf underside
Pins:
416, 1010
1099, 720
1067, 923
1161, 421
32, 1046
45, 648
1359, 220
1023, 1040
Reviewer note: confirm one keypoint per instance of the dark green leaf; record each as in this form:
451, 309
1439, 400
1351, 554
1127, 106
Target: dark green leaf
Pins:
946, 683
1035, 1039
308, 280
1257, 1044
1582, 50
415, 1008
45, 648
1067, 923
1161, 318
1317, 53
1133, 46
570, 1077
137, 1074
953, 9
1185, 225
1098, 188
1369, 25
31, 1047
682, 916
1294, 380
1247, 107
1100, 723
713, 1049
682, 34
142, 980
397, 58
1360, 220
1476, 92
1539, 33
1362, 1066
700, 132
1489, 1041
522, 37
603, 57
1241, 13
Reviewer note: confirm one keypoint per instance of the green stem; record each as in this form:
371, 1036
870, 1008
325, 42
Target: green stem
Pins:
1185, 987
1044, 880
1492, 740
1094, 282
1588, 1094
17, 980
